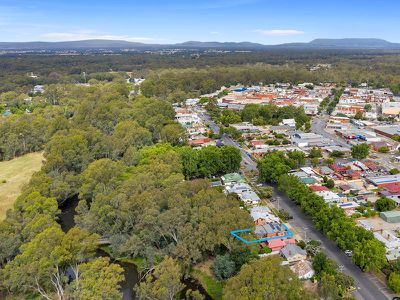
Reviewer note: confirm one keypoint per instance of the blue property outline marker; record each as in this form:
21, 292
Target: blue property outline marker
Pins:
235, 234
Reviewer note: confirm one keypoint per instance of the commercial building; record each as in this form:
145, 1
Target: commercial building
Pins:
309, 139
382, 180
388, 130
391, 216
391, 108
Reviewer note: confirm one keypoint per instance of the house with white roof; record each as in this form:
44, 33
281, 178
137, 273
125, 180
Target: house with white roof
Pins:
329, 196
303, 269
388, 238
262, 215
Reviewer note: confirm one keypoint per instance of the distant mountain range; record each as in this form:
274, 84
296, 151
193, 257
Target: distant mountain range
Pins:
348, 43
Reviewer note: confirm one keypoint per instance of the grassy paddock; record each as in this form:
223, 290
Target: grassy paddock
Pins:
13, 175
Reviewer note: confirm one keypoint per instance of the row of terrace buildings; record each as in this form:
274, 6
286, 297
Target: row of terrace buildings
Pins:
369, 102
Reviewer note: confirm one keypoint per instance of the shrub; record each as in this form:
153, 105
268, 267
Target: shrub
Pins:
223, 267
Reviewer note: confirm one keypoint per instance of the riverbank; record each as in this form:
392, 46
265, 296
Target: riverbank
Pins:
198, 279
209, 283
203, 274
131, 273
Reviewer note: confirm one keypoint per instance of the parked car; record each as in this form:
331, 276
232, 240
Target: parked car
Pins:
349, 253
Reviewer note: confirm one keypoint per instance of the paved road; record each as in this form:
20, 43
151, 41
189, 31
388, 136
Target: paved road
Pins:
206, 118
368, 287
318, 126
246, 160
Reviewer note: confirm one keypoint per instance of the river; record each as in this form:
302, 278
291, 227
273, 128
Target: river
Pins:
131, 274
66, 221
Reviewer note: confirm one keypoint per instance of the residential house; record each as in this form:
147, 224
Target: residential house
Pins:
249, 197
325, 171
329, 196
366, 224
377, 146
278, 244
318, 188
392, 254
244, 127
337, 168
388, 238
303, 269
392, 191
353, 174
201, 142
293, 253
270, 230
304, 177
348, 207
256, 144
237, 188
232, 178
262, 215
391, 242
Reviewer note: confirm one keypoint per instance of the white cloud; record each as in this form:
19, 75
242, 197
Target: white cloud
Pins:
279, 32
92, 35
214, 32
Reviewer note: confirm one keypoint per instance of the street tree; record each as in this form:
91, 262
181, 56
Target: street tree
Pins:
385, 204
360, 151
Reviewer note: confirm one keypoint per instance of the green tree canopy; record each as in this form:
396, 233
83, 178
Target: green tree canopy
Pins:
265, 278
164, 283
394, 282
223, 267
360, 151
385, 204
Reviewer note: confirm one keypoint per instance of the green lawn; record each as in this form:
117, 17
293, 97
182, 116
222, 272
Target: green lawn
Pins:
13, 175
211, 285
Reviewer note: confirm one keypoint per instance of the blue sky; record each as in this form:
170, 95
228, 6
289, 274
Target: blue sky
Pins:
156, 21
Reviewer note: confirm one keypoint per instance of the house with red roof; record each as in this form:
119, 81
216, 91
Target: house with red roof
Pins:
393, 187
338, 168
338, 176
201, 142
353, 174
278, 244
371, 164
318, 188
392, 191
256, 144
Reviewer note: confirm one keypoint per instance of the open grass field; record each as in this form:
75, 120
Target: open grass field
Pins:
16, 173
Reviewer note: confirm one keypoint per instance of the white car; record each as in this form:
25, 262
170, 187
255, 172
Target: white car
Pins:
349, 253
